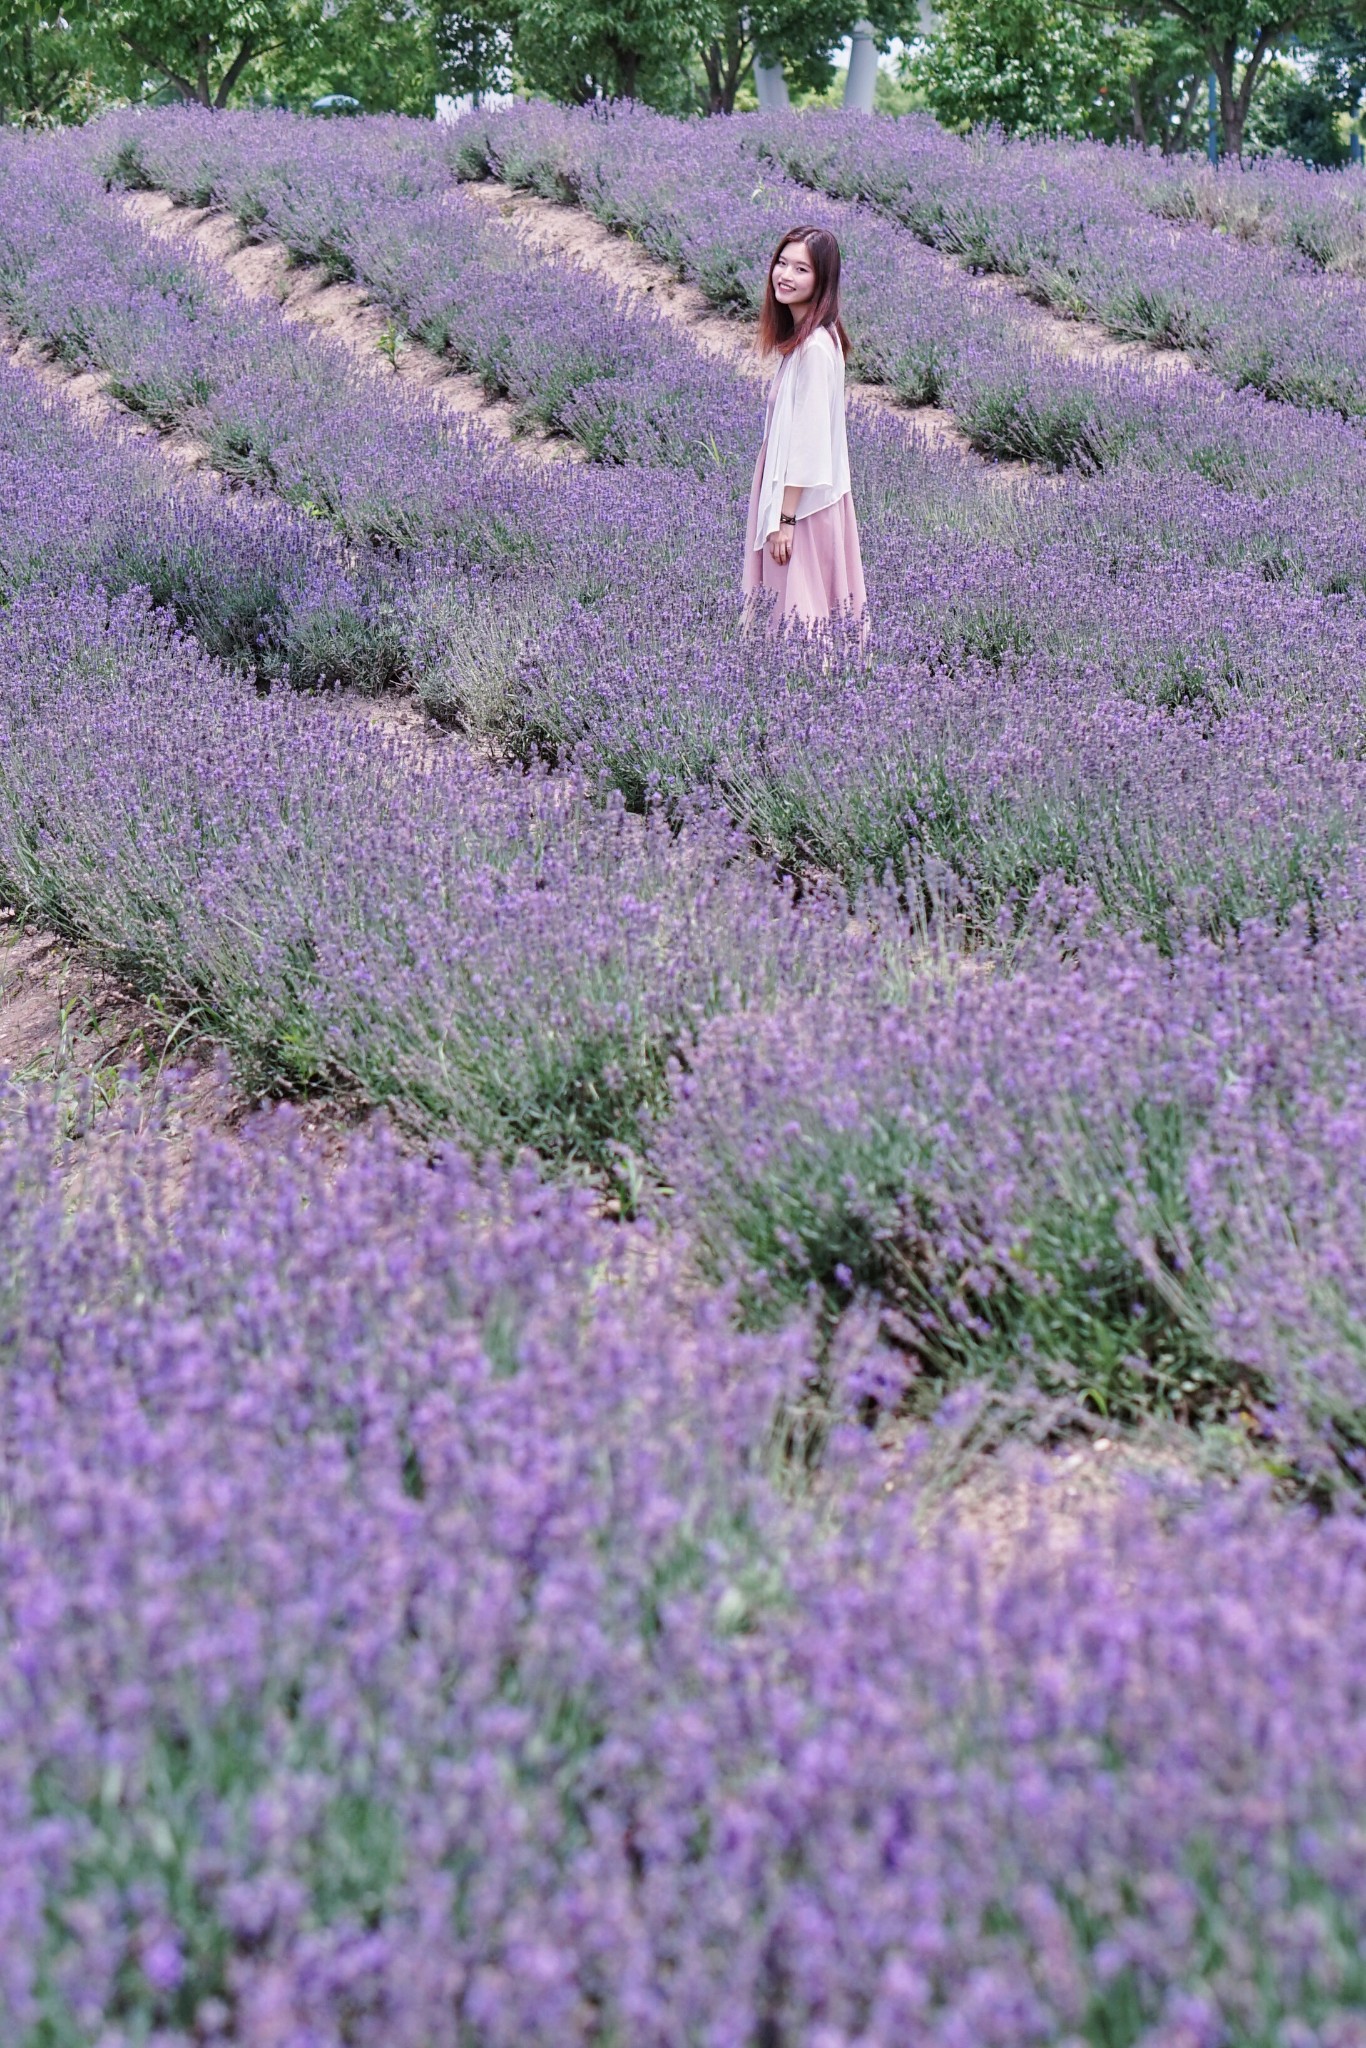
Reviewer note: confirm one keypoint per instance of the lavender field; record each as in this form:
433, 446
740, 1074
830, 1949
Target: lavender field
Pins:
543, 1516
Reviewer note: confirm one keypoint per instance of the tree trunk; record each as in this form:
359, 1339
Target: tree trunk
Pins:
1233, 106
724, 74
201, 80
234, 72
738, 60
711, 64
1138, 126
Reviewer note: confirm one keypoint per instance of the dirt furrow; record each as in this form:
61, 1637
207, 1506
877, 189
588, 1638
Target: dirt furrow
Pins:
552, 229
569, 231
113, 1064
262, 269
87, 393
1083, 341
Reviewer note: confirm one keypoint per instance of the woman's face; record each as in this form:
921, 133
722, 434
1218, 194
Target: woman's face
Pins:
794, 276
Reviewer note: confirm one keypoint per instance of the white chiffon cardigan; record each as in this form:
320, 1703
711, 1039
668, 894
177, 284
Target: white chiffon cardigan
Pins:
805, 442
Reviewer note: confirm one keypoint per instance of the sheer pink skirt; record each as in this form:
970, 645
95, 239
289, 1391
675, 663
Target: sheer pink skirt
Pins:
822, 577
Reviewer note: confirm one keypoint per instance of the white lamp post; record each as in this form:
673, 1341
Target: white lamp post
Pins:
770, 85
862, 75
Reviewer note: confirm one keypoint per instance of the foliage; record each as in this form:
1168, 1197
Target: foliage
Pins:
579, 50
380, 52
52, 65
1304, 107
203, 49
473, 48
1033, 66
1166, 86
1295, 115
1238, 40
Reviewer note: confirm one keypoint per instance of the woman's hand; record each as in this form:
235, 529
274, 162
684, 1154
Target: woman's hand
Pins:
780, 544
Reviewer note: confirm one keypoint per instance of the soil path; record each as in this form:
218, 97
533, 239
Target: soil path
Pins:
264, 270
554, 228
87, 393
72, 1032
567, 231
1084, 341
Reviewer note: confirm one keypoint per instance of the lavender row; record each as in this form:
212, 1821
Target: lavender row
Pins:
500, 959
401, 1644
1055, 216
1305, 536
276, 407
319, 195
1134, 740
1317, 215
288, 412
1247, 449
975, 774
267, 165
1137, 1180
574, 355
703, 202
496, 956
258, 586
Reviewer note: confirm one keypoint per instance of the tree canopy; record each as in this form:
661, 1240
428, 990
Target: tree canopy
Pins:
202, 49
1111, 68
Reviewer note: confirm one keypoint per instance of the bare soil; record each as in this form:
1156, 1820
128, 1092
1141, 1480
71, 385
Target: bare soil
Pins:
1083, 340
262, 269
1051, 1502
569, 232
87, 393
111, 1062
69, 1029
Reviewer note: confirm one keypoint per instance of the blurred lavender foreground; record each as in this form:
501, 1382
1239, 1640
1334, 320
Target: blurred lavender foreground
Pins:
403, 1646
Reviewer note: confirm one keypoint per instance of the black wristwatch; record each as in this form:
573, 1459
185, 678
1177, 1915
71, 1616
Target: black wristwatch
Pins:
787, 519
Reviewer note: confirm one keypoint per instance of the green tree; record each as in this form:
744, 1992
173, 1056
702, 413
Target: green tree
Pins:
580, 50
801, 33
1165, 84
1294, 113
52, 64
1339, 63
1033, 66
203, 49
380, 52
473, 48
1237, 40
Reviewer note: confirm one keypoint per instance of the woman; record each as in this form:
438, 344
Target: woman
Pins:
801, 543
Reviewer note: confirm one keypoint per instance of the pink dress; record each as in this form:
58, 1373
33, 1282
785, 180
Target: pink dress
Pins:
804, 443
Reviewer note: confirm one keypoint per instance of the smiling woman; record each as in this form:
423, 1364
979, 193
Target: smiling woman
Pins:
801, 542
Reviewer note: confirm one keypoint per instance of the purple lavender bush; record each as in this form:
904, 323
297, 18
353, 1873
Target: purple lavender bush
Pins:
569, 651
709, 201
494, 954
403, 1644
257, 586
1258, 316
292, 414
1133, 1178
574, 357
1276, 200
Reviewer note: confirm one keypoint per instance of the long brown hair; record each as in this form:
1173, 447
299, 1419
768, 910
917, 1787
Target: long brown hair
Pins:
777, 328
